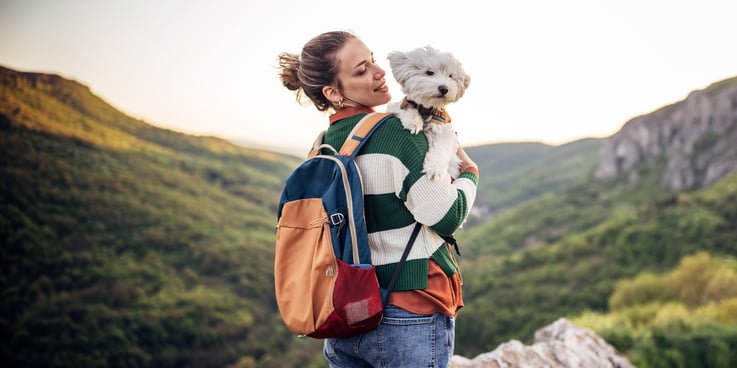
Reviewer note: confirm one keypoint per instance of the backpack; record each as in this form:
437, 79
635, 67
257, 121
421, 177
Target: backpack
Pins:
324, 281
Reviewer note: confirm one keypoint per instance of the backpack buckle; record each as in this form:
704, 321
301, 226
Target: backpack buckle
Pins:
337, 219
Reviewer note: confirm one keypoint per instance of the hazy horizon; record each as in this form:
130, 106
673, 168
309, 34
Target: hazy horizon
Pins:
540, 71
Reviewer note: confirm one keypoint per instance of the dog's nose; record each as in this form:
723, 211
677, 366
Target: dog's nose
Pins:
443, 90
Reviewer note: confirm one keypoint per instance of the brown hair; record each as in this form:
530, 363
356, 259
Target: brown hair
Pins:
315, 68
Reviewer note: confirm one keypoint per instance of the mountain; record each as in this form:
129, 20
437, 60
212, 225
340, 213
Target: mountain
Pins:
299, 152
563, 252
513, 173
691, 142
124, 244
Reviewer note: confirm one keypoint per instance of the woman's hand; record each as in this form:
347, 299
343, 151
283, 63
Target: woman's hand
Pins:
466, 161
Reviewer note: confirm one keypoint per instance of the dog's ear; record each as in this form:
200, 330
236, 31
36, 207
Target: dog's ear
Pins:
460, 74
466, 80
396, 58
398, 62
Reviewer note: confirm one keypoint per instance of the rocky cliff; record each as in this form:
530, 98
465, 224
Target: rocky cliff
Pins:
693, 141
559, 345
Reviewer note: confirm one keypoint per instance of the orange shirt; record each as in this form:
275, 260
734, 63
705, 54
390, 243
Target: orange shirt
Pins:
443, 294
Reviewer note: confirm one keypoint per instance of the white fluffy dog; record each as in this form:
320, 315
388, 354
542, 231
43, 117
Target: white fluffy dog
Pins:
430, 79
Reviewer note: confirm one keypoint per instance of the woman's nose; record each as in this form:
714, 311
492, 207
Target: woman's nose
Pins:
380, 73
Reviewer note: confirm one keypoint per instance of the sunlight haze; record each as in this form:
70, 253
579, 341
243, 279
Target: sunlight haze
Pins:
540, 70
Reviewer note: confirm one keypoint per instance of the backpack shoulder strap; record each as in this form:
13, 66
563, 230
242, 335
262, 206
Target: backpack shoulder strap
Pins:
316, 145
358, 136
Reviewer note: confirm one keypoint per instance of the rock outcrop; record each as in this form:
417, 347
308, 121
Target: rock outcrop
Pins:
695, 140
559, 345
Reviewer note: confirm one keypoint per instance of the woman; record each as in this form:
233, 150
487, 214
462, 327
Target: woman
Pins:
338, 73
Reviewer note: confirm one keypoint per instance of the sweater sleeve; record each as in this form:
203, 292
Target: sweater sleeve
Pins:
441, 204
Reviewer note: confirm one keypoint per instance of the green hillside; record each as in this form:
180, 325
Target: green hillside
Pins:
513, 173
128, 245
563, 253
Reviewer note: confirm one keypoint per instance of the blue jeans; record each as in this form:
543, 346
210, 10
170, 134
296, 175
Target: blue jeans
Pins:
403, 339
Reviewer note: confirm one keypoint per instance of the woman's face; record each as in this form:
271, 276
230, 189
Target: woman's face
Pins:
361, 80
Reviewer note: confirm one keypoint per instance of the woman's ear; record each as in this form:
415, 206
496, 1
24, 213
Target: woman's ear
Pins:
332, 94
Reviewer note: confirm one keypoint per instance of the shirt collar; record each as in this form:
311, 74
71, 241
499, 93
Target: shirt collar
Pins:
349, 111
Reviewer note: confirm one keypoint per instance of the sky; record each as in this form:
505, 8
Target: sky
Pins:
546, 71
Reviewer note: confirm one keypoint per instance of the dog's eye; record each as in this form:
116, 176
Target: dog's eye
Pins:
430, 73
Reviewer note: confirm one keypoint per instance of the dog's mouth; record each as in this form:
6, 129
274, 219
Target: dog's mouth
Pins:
438, 100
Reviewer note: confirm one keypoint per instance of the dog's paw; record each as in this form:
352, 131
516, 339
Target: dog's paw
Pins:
435, 176
435, 166
411, 120
413, 127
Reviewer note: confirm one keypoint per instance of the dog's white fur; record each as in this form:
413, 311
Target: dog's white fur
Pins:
432, 79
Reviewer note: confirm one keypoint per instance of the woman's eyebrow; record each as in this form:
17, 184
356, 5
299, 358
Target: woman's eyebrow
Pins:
362, 62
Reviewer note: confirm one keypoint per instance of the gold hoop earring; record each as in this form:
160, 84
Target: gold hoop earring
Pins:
340, 104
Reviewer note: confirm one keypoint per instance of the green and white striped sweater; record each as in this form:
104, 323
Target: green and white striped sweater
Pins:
397, 193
